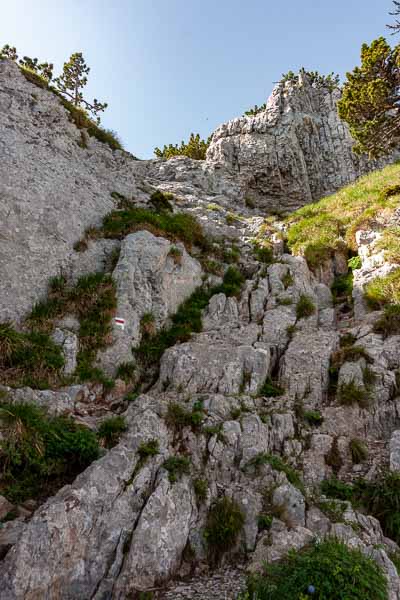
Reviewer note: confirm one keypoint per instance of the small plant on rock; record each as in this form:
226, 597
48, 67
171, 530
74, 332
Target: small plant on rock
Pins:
350, 393
224, 523
200, 487
389, 322
110, 431
358, 450
176, 467
305, 307
270, 390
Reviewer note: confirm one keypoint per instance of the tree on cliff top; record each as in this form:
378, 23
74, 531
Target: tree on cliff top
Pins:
395, 27
370, 103
71, 82
195, 148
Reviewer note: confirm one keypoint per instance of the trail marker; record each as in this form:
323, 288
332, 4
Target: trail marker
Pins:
120, 322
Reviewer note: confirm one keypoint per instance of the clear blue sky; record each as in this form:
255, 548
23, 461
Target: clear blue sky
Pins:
167, 68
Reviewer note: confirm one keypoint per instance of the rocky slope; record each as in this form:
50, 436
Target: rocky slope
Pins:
229, 409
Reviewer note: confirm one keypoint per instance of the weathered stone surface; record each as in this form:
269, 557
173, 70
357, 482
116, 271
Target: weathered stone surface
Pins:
294, 152
5, 507
290, 503
395, 451
148, 280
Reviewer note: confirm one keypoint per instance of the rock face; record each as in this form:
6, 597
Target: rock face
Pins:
150, 279
295, 151
244, 409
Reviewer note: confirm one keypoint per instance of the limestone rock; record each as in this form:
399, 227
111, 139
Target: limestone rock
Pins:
290, 503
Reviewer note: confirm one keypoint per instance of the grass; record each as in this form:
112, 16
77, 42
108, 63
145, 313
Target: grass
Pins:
305, 307
330, 567
173, 226
358, 451
318, 230
93, 300
225, 521
126, 371
389, 322
389, 243
178, 417
350, 393
39, 453
28, 359
383, 291
380, 498
313, 417
200, 487
263, 252
270, 390
111, 430
176, 467
342, 287
148, 449
277, 464
349, 353
187, 320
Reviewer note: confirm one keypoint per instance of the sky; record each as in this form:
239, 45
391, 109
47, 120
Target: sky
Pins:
167, 68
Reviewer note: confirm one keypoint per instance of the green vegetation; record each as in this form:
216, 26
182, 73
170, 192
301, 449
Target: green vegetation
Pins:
369, 102
318, 230
270, 390
313, 417
349, 353
147, 449
39, 453
93, 300
28, 359
68, 87
342, 287
200, 487
389, 242
225, 521
161, 201
330, 567
278, 464
126, 371
389, 322
110, 431
252, 112
264, 522
287, 279
383, 290
178, 417
380, 498
317, 80
334, 458
195, 148
354, 263
232, 283
264, 252
305, 307
176, 467
358, 450
350, 393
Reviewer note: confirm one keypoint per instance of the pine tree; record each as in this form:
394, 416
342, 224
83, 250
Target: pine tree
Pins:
45, 69
72, 81
9, 52
195, 148
396, 13
370, 103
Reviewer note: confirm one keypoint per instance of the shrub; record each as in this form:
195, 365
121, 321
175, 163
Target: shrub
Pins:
277, 464
252, 112
126, 371
200, 487
287, 279
383, 290
358, 450
342, 287
195, 148
389, 242
30, 359
176, 467
333, 458
389, 322
305, 307
334, 488
110, 431
232, 283
225, 521
264, 522
354, 263
264, 253
313, 417
148, 449
331, 568
40, 453
270, 390
350, 393
382, 500
178, 417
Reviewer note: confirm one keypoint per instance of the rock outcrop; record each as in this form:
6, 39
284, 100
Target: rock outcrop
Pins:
246, 408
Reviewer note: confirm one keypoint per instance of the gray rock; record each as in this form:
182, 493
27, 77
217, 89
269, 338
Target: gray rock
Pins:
290, 503
5, 507
395, 451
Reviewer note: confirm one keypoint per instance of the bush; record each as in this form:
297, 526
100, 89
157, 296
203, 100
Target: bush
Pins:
277, 464
350, 393
332, 569
270, 390
110, 431
389, 322
383, 290
354, 263
358, 450
342, 287
126, 371
195, 148
232, 283
264, 253
225, 521
313, 417
176, 467
30, 359
305, 307
178, 417
40, 453
200, 487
